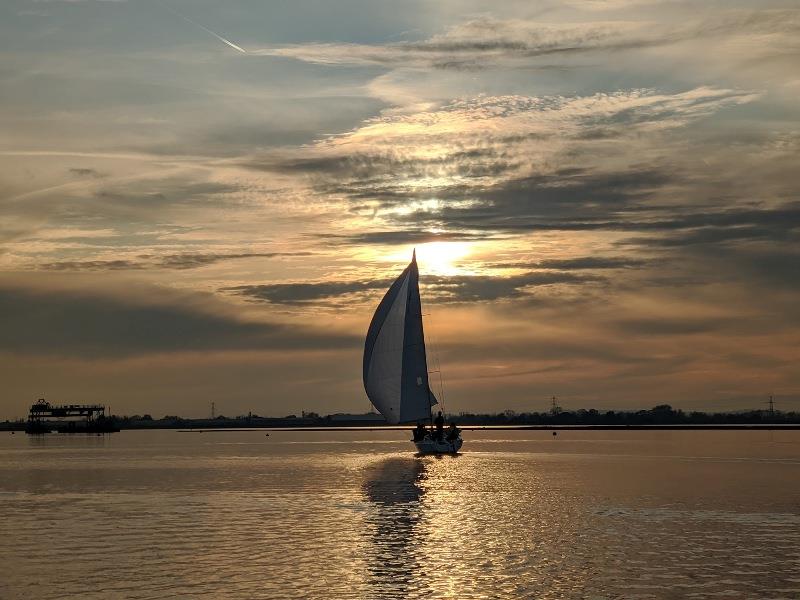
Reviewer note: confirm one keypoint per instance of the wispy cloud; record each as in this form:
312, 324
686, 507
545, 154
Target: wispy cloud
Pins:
441, 289
472, 44
170, 261
509, 157
85, 172
481, 43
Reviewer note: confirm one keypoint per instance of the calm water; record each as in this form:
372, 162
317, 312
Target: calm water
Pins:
328, 515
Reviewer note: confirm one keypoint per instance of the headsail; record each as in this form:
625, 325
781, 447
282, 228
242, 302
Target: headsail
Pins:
395, 365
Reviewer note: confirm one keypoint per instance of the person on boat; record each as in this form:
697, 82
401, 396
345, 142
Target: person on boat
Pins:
453, 432
439, 422
419, 432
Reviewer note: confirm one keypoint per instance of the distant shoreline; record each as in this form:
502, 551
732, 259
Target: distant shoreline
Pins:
662, 417
791, 426
372, 427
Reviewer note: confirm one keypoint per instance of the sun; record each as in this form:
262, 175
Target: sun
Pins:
440, 258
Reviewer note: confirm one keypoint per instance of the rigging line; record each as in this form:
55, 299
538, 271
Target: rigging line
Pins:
441, 374
437, 362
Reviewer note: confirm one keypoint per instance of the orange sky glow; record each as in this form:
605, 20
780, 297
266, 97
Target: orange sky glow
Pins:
597, 214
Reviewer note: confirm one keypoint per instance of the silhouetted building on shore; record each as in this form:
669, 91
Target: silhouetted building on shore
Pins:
68, 418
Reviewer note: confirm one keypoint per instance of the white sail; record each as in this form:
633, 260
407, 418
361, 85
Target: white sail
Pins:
395, 365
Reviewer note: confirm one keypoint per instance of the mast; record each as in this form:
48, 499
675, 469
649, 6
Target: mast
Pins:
422, 328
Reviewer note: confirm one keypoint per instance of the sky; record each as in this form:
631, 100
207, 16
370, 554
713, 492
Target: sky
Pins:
205, 201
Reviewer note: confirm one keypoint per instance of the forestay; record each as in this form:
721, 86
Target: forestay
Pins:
395, 365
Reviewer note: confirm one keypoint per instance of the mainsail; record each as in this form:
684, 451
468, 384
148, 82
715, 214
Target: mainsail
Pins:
395, 365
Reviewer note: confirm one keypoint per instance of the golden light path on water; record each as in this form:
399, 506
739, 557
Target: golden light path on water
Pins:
322, 515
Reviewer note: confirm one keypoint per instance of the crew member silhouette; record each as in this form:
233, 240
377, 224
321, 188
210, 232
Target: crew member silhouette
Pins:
452, 432
419, 432
439, 426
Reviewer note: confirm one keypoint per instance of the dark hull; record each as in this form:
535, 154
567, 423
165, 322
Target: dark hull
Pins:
429, 445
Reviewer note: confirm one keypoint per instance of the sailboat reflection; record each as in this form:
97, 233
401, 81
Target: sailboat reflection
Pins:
393, 486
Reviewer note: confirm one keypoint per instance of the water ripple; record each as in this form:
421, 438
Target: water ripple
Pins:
152, 516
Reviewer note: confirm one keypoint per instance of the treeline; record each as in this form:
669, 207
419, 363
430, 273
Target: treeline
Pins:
220, 421
663, 414
147, 421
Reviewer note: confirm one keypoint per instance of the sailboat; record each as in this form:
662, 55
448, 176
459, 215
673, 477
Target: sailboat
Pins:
396, 366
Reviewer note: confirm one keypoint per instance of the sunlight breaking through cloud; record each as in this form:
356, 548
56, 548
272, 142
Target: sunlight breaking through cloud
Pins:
602, 195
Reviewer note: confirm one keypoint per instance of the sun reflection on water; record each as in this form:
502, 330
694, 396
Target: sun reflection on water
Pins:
354, 515
392, 486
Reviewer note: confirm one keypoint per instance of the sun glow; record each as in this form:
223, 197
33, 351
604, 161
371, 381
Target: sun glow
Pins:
437, 258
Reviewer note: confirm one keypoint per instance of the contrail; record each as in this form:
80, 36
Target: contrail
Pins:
206, 29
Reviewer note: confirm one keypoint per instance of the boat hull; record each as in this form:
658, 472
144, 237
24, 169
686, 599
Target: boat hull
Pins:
433, 446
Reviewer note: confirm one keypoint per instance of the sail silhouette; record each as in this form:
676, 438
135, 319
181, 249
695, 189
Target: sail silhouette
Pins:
395, 364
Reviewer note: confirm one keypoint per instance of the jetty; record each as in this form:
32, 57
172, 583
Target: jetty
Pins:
68, 418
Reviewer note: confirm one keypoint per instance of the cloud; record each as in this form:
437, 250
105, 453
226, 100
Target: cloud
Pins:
577, 201
481, 288
168, 190
614, 197
499, 166
299, 293
485, 42
473, 44
442, 289
170, 261
580, 263
92, 265
765, 269
475, 152
136, 200
400, 237
84, 172
612, 204
666, 326
80, 323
